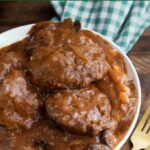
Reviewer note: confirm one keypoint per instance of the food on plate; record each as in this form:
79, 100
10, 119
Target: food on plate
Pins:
19, 104
64, 88
69, 57
85, 110
11, 57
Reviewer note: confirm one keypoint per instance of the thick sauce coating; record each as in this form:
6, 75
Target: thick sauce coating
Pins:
85, 110
46, 136
63, 88
69, 57
19, 105
11, 57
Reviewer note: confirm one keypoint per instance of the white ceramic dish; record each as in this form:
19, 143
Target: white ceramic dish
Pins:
20, 33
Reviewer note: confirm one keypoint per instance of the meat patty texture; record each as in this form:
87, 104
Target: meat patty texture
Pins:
62, 56
83, 111
19, 104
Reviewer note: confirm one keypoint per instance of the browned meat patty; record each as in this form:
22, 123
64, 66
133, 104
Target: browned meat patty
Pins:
61, 56
11, 58
83, 111
19, 104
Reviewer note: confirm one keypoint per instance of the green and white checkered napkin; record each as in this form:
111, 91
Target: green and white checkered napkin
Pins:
121, 21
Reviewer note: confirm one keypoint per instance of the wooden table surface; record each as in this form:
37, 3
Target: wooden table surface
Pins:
14, 14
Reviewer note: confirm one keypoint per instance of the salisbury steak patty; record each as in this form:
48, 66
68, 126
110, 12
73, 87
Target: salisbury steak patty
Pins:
9, 59
61, 56
83, 111
19, 104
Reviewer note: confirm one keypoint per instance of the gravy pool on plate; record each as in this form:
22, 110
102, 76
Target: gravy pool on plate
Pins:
63, 88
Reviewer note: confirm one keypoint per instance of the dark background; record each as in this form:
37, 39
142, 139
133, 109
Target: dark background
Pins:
13, 14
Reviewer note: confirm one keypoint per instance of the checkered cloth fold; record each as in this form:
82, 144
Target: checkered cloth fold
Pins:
121, 21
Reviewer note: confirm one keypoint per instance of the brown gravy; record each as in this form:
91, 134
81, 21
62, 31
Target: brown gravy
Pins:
28, 92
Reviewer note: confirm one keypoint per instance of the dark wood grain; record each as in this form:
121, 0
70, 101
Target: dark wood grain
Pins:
6, 27
15, 14
142, 46
147, 32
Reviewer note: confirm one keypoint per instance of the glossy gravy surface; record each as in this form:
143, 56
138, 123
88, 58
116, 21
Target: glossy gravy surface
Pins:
63, 88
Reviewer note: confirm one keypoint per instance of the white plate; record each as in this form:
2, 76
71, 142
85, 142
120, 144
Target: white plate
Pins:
20, 33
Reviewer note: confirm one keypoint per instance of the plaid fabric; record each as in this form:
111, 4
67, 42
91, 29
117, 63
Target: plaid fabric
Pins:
121, 21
